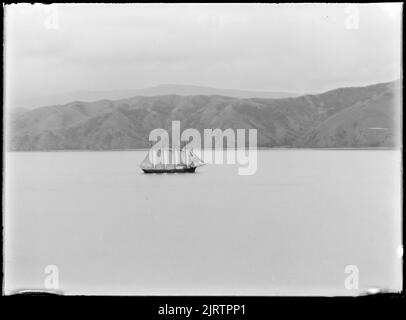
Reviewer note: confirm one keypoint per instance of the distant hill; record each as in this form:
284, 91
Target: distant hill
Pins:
342, 118
164, 89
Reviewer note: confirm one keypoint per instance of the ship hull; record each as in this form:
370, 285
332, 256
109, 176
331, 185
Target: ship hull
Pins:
180, 170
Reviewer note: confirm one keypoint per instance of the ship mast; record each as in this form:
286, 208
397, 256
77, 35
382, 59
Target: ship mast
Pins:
163, 158
153, 157
178, 159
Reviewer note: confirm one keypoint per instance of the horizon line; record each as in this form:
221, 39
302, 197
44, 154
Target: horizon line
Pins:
6, 106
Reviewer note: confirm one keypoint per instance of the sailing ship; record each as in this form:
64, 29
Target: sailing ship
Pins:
170, 161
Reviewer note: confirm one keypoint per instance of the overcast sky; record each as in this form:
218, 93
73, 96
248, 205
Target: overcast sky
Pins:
299, 48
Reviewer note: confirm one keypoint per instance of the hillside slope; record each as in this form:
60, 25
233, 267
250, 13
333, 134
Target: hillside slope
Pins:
339, 118
371, 123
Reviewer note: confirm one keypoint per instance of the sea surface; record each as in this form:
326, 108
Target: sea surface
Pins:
292, 228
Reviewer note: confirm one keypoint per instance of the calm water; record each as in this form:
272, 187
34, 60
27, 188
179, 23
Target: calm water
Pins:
291, 228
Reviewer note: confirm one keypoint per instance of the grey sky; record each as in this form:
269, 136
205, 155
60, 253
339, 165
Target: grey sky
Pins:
298, 48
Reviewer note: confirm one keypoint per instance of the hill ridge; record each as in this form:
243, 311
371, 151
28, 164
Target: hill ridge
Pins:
323, 120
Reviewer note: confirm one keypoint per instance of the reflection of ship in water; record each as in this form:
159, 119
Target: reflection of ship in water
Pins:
170, 161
